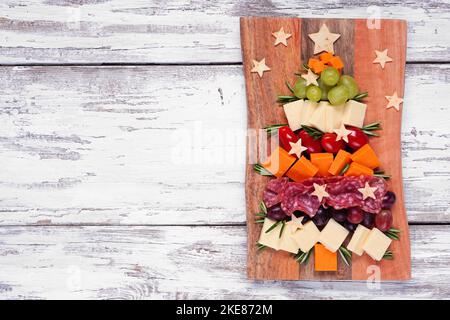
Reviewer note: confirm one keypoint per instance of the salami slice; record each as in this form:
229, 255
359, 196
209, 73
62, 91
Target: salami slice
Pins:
273, 194
297, 197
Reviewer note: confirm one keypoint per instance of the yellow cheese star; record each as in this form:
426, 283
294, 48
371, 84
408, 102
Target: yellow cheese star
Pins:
281, 37
394, 101
295, 223
319, 191
324, 39
260, 67
382, 58
311, 78
367, 191
342, 133
297, 148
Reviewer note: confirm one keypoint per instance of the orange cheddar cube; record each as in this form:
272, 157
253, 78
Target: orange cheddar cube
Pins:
324, 259
316, 65
323, 162
340, 161
302, 169
279, 162
366, 156
357, 169
326, 57
337, 63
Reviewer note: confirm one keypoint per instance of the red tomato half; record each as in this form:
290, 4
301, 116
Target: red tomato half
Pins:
313, 146
330, 144
357, 138
286, 137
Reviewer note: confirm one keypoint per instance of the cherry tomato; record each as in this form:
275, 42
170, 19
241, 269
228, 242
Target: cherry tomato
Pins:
286, 136
357, 138
330, 144
313, 146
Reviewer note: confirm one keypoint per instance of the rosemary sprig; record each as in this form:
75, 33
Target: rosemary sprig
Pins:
361, 96
381, 174
344, 170
260, 247
289, 87
393, 233
305, 66
369, 128
282, 228
313, 132
286, 99
273, 226
388, 255
302, 257
345, 255
261, 170
272, 129
262, 207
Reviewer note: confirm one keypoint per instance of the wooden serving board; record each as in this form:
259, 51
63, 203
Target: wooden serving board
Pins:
356, 47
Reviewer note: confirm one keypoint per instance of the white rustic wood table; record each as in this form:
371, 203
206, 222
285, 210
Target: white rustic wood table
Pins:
94, 94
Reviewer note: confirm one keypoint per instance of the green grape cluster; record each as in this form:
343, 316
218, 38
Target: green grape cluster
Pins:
332, 86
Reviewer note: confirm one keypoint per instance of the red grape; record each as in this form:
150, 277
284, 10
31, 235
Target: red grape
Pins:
340, 215
388, 200
355, 215
369, 220
276, 213
383, 220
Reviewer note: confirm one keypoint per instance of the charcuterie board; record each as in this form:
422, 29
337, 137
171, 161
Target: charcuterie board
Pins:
274, 51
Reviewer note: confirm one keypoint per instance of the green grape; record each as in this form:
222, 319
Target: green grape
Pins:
313, 93
324, 89
338, 95
300, 88
330, 76
351, 85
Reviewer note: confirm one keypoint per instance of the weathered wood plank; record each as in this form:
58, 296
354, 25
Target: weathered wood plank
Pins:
183, 263
181, 31
94, 145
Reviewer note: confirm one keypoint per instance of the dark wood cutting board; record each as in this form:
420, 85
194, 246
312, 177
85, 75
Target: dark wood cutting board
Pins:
356, 47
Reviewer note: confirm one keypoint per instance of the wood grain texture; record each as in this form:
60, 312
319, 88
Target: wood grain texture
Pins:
258, 43
379, 83
184, 263
88, 145
137, 31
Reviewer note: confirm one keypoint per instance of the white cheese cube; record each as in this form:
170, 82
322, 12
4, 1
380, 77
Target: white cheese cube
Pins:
333, 116
307, 237
272, 238
287, 241
376, 244
293, 112
333, 235
358, 239
308, 109
354, 113
317, 119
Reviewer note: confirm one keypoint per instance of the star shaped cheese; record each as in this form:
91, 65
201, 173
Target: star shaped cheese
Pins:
259, 67
297, 148
281, 37
367, 191
382, 58
295, 223
394, 101
319, 191
311, 78
324, 39
342, 133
